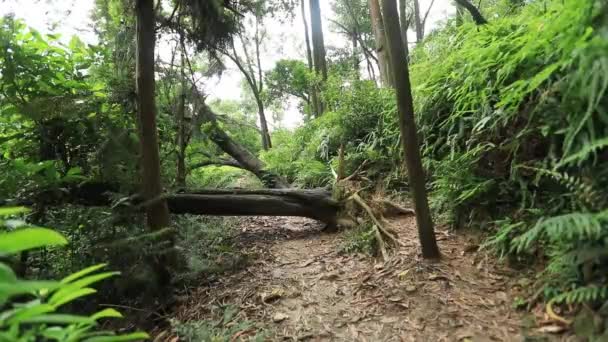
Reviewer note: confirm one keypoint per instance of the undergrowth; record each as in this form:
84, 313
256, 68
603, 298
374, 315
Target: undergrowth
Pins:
514, 130
228, 327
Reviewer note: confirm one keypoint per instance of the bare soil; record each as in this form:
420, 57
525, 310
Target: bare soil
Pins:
300, 287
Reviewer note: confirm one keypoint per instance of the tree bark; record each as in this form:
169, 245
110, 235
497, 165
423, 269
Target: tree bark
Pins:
314, 98
247, 160
266, 142
418, 22
404, 24
180, 178
318, 43
315, 204
380, 39
407, 125
475, 13
158, 214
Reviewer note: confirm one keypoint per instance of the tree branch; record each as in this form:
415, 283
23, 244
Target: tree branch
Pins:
477, 16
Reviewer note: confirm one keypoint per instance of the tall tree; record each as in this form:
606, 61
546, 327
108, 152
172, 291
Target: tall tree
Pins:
250, 65
407, 125
180, 178
418, 22
352, 19
158, 213
318, 44
404, 23
380, 38
314, 96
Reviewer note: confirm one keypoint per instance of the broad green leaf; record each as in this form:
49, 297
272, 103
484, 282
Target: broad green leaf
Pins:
72, 296
79, 284
29, 238
107, 313
59, 319
25, 313
10, 211
138, 336
22, 287
82, 273
54, 333
6, 274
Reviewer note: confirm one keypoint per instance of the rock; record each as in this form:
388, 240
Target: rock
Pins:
410, 288
279, 317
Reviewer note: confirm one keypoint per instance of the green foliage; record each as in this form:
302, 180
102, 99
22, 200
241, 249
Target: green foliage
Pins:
360, 240
222, 330
290, 78
512, 117
31, 308
208, 246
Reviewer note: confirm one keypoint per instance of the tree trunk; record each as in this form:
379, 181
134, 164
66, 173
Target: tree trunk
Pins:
180, 179
318, 43
404, 24
356, 60
266, 142
475, 13
418, 22
314, 99
316, 204
380, 38
247, 160
158, 214
407, 125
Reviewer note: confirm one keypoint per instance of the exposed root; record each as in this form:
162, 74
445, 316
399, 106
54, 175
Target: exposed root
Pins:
380, 230
551, 313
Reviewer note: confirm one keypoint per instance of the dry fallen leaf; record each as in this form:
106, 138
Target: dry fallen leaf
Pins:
552, 329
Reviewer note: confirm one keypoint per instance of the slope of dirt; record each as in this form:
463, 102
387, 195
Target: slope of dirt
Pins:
300, 287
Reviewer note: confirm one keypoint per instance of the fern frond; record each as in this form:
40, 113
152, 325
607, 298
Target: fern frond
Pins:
584, 153
567, 227
582, 295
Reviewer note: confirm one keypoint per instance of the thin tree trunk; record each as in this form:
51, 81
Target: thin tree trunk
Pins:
380, 38
403, 23
158, 214
314, 99
180, 178
318, 43
306, 35
247, 160
266, 142
356, 60
418, 22
407, 125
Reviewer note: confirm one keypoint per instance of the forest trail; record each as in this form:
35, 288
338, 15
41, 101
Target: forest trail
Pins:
300, 287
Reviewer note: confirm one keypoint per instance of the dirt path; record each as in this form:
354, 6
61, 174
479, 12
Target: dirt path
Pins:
300, 287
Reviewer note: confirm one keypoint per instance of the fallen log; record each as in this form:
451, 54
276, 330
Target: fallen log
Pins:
315, 204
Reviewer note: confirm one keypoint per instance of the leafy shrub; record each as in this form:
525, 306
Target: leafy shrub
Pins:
31, 307
512, 116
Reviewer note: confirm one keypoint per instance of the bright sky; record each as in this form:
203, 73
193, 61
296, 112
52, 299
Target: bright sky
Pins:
72, 17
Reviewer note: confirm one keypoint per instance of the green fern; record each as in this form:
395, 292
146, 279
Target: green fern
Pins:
584, 153
568, 227
583, 295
